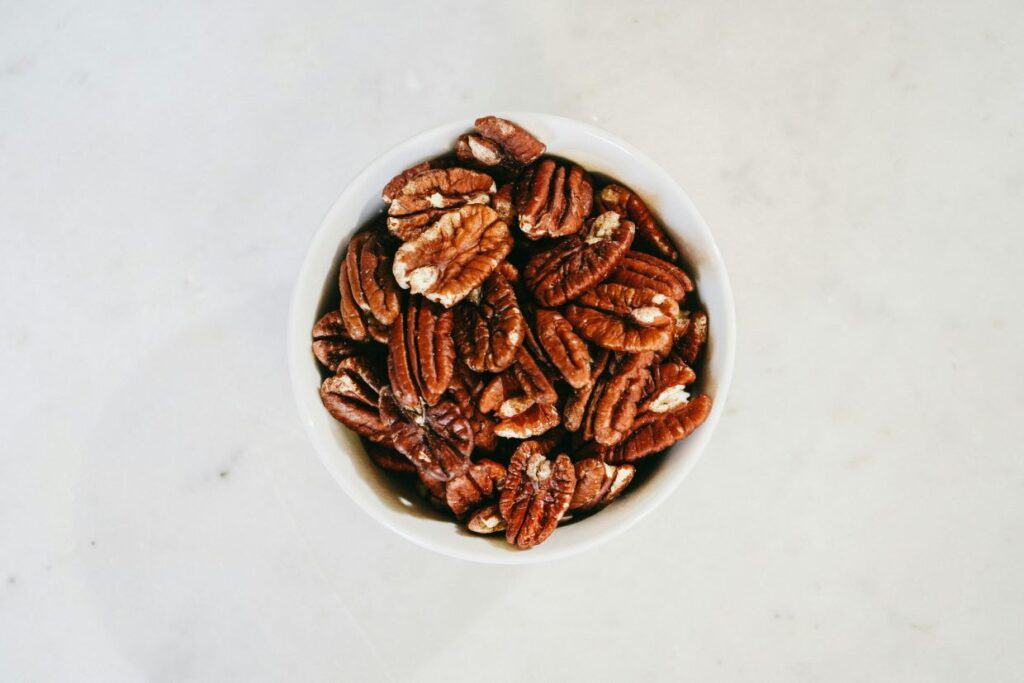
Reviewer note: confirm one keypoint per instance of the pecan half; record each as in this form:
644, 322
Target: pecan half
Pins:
465, 389
489, 331
552, 199
576, 405
536, 494
564, 349
643, 271
429, 195
598, 483
534, 420
622, 318
668, 386
452, 258
476, 150
480, 482
351, 397
578, 262
502, 203
648, 232
421, 353
371, 285
655, 432
516, 143
387, 458
436, 439
486, 520
689, 345
331, 343
613, 404
395, 185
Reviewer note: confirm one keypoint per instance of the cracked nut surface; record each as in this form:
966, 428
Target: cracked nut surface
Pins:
481, 482
564, 349
421, 353
453, 257
552, 199
622, 318
643, 271
489, 328
648, 233
436, 439
331, 343
536, 495
599, 483
655, 432
351, 396
579, 261
515, 142
430, 194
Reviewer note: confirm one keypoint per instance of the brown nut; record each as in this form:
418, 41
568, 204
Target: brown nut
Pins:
436, 439
429, 195
486, 520
576, 405
563, 348
465, 389
388, 458
395, 185
453, 257
371, 285
578, 262
331, 343
481, 482
648, 233
643, 271
613, 404
668, 386
533, 421
489, 330
624, 319
478, 151
516, 144
655, 432
598, 483
536, 494
421, 353
552, 199
689, 345
351, 397
502, 203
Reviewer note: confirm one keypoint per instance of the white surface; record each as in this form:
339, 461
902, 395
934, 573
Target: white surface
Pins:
858, 516
372, 489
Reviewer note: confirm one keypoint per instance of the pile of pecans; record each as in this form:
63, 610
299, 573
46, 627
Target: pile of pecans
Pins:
512, 338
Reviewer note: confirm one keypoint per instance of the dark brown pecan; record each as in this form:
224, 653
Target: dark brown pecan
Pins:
489, 329
517, 144
351, 397
643, 271
533, 382
395, 185
613, 403
564, 349
621, 318
371, 284
689, 345
436, 439
486, 520
331, 342
552, 199
481, 482
536, 494
453, 257
510, 272
534, 420
387, 458
576, 404
648, 233
421, 353
429, 195
432, 491
668, 386
578, 262
465, 389
654, 432
598, 483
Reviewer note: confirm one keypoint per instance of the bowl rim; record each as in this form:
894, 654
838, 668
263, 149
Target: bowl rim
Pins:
297, 346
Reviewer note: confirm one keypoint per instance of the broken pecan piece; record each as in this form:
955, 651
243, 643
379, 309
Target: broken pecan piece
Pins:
552, 199
534, 420
489, 331
668, 386
655, 432
643, 271
486, 520
516, 143
536, 494
689, 345
579, 261
648, 233
598, 483
429, 195
481, 482
421, 353
453, 257
622, 318
576, 405
331, 343
436, 439
564, 349
351, 397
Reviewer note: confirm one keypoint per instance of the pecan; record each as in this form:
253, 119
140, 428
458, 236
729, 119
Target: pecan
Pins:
598, 483
351, 397
564, 349
536, 494
552, 199
465, 389
481, 482
421, 353
668, 386
331, 342
486, 520
613, 403
515, 143
452, 258
387, 458
436, 439
643, 271
429, 195
371, 293
502, 203
655, 432
689, 345
537, 419
578, 262
432, 491
395, 185
476, 150
622, 318
648, 233
490, 331
576, 405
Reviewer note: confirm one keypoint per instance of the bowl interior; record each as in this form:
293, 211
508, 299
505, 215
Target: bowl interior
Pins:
397, 506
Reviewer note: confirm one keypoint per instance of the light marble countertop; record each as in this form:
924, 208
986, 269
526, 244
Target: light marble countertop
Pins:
859, 514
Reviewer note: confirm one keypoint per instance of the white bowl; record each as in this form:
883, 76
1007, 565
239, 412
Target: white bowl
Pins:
399, 509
